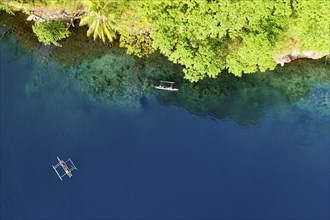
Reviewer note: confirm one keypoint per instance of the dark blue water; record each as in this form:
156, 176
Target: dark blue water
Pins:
156, 163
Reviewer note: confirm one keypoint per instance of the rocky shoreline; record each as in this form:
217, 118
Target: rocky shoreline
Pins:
287, 58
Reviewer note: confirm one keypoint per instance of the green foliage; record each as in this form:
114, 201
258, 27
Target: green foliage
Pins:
27, 5
311, 25
101, 19
207, 37
50, 32
254, 55
69, 6
134, 31
137, 44
4, 7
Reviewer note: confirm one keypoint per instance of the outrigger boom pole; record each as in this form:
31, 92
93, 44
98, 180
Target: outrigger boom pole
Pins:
68, 166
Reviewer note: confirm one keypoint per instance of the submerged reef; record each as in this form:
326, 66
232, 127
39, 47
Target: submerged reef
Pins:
112, 77
121, 79
317, 102
297, 79
109, 75
305, 83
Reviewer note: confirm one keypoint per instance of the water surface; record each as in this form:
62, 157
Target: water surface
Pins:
160, 161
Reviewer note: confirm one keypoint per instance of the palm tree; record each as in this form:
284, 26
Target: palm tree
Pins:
101, 19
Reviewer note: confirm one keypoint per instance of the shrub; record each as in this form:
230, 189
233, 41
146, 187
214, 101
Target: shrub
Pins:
50, 32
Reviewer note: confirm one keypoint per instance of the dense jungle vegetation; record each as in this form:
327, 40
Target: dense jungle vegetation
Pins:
204, 36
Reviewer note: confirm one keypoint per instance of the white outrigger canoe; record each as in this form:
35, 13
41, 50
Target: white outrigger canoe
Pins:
166, 85
65, 165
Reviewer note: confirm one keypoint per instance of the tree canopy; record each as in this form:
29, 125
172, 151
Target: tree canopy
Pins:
50, 32
101, 19
207, 36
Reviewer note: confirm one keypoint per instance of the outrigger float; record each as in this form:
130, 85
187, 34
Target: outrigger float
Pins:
68, 166
166, 85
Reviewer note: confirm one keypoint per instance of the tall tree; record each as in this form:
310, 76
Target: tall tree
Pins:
101, 18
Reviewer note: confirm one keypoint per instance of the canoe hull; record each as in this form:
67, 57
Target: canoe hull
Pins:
166, 88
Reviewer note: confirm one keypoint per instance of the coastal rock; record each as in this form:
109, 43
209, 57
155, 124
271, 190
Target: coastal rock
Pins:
286, 58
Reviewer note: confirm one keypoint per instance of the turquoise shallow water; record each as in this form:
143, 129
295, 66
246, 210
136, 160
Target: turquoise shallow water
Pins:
160, 161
